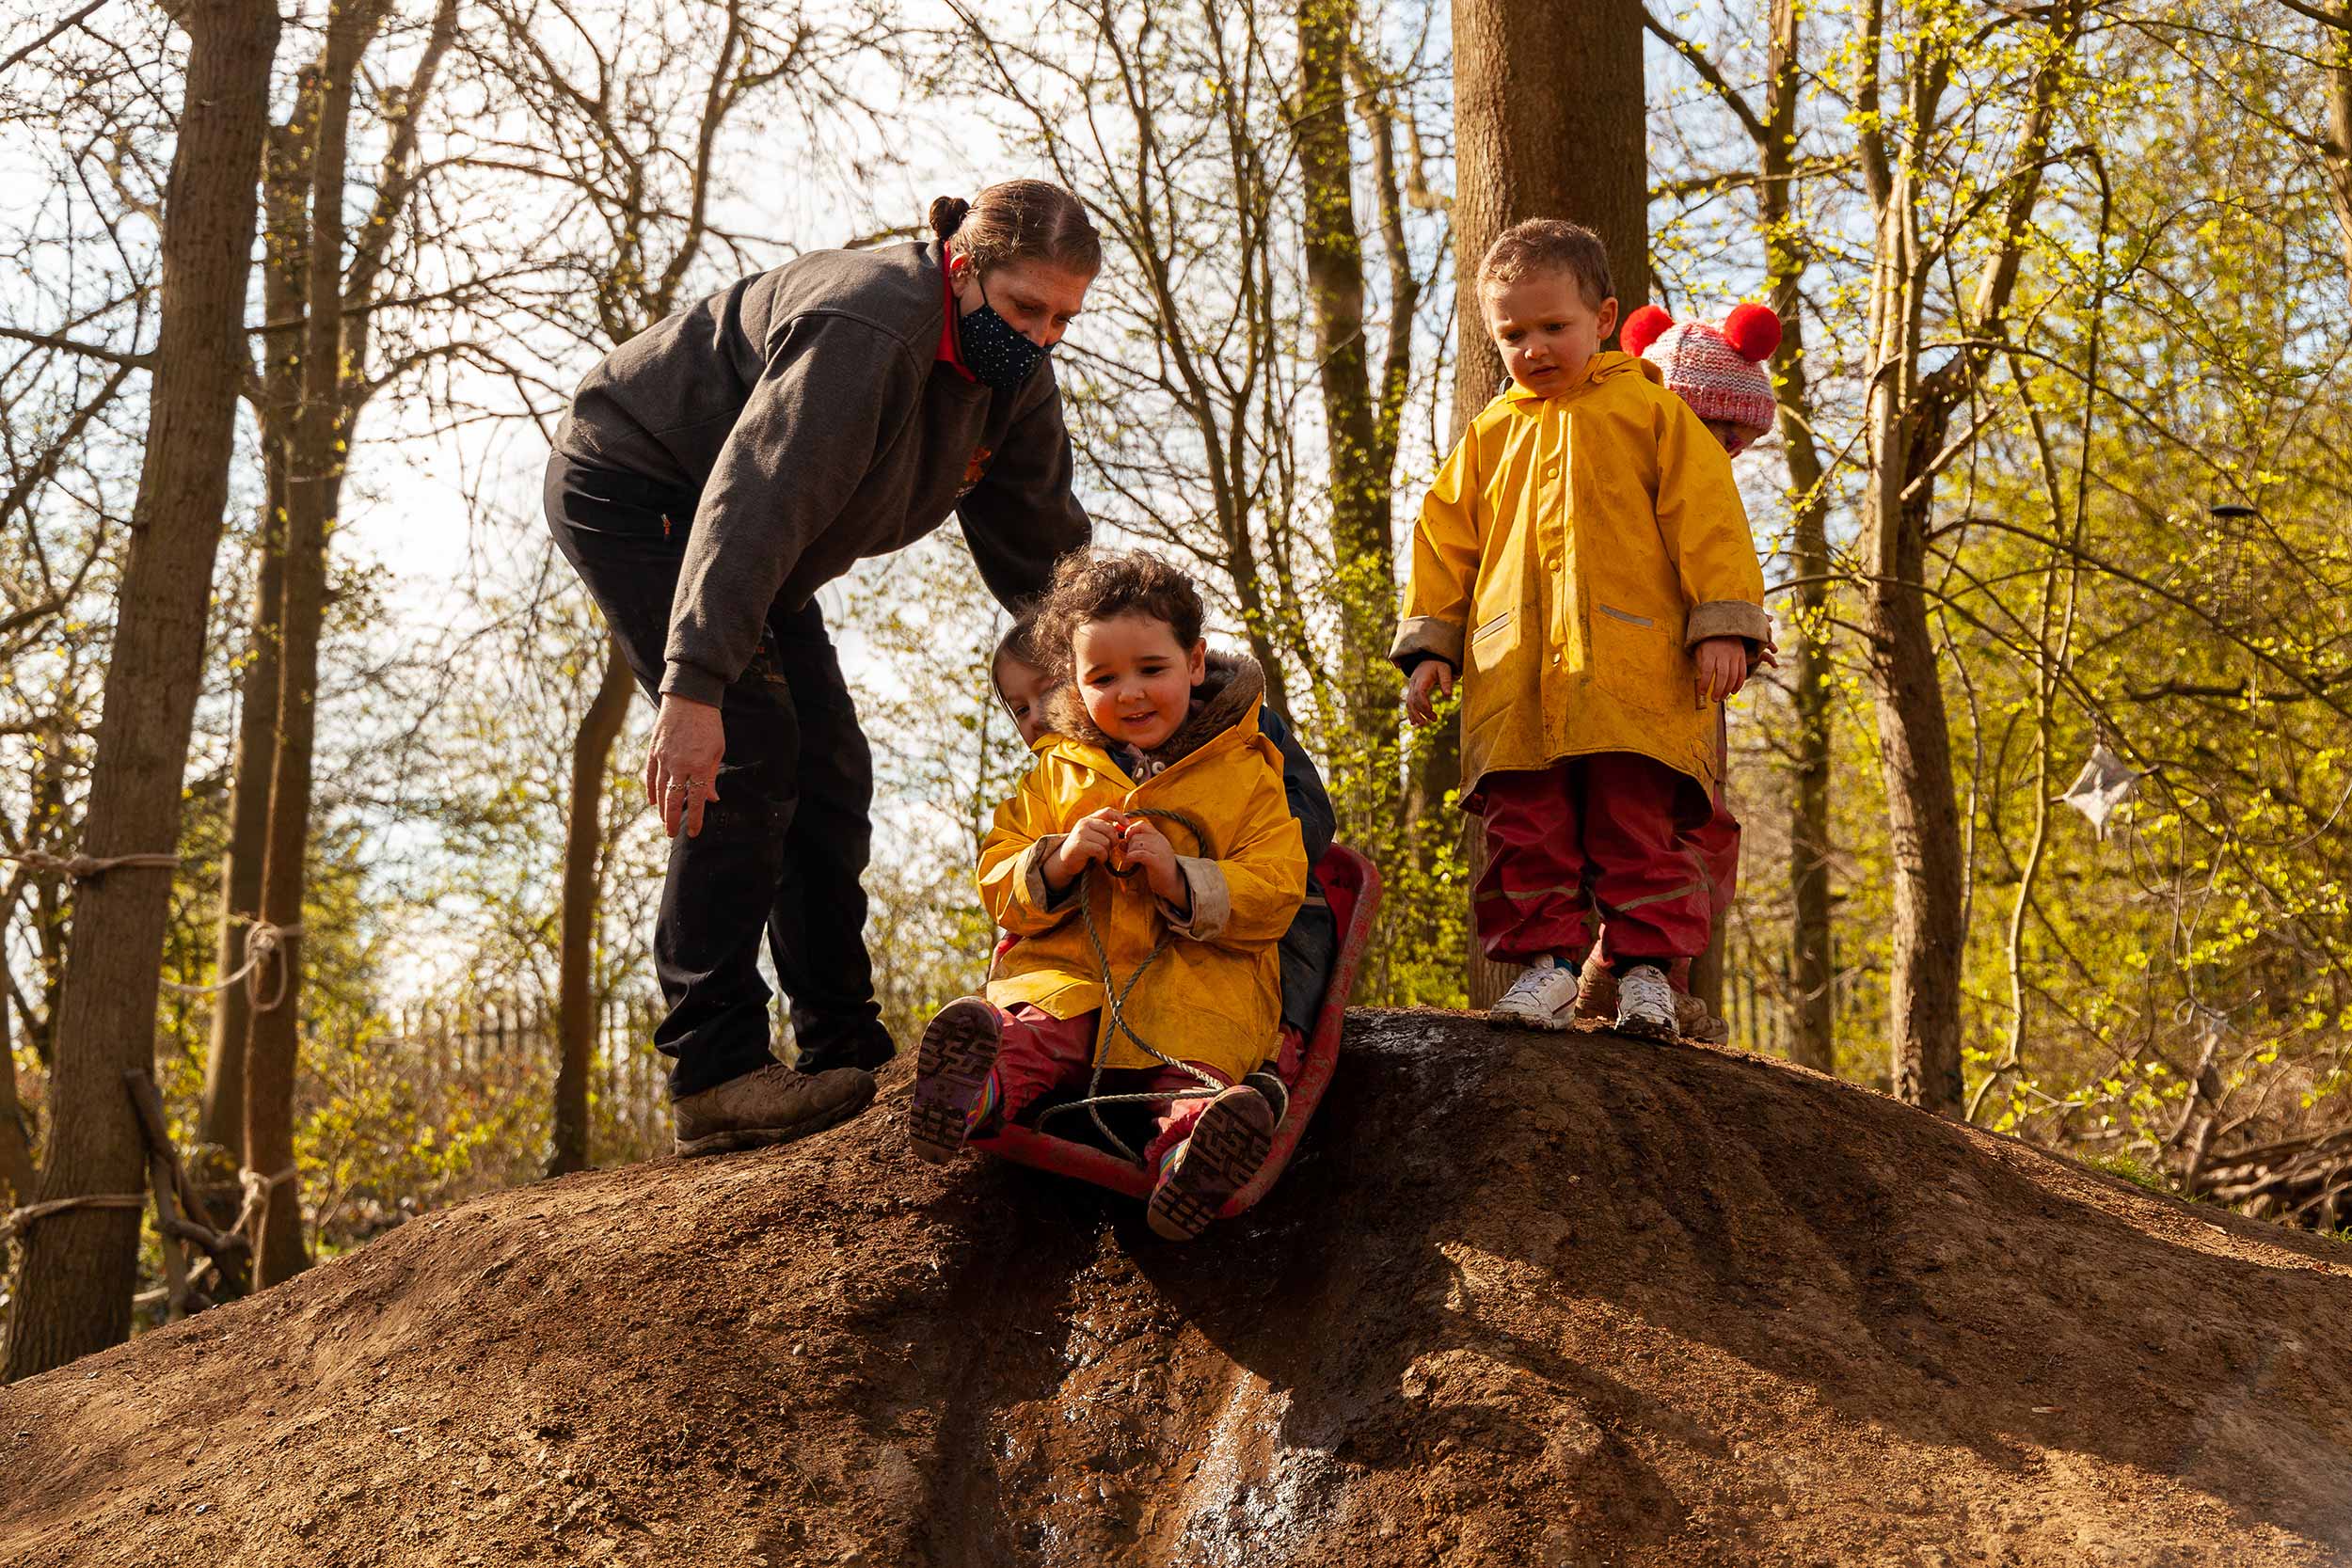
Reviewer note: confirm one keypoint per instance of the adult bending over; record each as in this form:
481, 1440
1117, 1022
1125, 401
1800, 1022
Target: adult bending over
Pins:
713, 473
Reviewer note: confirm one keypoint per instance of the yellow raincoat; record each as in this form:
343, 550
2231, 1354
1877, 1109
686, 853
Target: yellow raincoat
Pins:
1580, 545
1215, 995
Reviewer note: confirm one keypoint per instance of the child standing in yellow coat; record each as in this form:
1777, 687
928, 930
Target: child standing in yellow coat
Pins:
1583, 562
1150, 849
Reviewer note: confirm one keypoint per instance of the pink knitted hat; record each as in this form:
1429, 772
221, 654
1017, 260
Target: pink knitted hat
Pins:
1717, 370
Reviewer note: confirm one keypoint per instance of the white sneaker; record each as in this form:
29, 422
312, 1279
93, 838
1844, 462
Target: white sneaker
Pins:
1542, 998
1645, 1003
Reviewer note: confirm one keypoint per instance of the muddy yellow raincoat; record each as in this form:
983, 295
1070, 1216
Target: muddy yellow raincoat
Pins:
1573, 551
1215, 995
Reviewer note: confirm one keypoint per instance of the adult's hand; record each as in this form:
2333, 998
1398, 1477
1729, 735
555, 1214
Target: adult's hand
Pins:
682, 768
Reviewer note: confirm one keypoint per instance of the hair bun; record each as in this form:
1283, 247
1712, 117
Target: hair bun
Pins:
1644, 327
947, 214
1753, 331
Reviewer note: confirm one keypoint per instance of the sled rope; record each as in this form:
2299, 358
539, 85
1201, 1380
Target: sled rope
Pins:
1115, 999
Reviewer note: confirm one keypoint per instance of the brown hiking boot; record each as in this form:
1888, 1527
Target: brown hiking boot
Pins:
1228, 1145
951, 1071
773, 1105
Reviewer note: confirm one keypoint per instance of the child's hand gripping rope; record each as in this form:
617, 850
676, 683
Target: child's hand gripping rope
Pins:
1147, 850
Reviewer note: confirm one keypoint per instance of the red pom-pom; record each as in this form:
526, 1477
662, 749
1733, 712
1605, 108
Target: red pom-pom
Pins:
1753, 331
1644, 327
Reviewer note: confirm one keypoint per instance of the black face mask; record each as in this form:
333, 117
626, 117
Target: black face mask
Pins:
995, 350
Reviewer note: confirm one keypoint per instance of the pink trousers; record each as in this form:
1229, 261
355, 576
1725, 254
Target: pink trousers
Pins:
1615, 840
1041, 1054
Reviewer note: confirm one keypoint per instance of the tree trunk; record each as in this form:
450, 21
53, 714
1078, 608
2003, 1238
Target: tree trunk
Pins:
1906, 420
2336, 155
1814, 1041
1360, 483
1903, 429
221, 1118
313, 491
73, 1292
1923, 818
583, 841
16, 1148
1573, 149
287, 171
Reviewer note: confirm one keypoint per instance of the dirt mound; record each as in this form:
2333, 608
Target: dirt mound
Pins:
1522, 1300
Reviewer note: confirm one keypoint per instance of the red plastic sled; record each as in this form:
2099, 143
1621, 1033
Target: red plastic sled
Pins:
1351, 884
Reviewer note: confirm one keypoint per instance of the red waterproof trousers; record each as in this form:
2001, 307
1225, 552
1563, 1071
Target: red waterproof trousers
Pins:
1615, 839
1041, 1054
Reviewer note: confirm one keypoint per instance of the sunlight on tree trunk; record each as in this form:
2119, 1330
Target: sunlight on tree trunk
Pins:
16, 1150
221, 1119
583, 841
75, 1282
1574, 149
1907, 422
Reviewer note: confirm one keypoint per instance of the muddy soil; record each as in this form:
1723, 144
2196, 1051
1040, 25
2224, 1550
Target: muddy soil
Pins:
1523, 1299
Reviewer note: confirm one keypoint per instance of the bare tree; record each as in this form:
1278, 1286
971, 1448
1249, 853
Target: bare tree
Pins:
274, 389
1909, 441
16, 1149
73, 1292
1361, 445
332, 345
1773, 135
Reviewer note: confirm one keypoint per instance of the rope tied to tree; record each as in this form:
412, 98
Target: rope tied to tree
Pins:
1115, 1000
257, 1191
83, 868
19, 1220
262, 942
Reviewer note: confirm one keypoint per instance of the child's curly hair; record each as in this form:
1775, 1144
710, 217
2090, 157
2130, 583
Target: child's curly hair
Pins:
1103, 585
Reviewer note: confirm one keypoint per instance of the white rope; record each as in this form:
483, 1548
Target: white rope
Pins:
257, 1189
1115, 1003
83, 867
262, 940
19, 1220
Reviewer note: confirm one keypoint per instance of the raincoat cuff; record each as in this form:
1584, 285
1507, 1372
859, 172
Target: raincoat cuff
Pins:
1033, 874
1418, 634
1728, 618
1212, 900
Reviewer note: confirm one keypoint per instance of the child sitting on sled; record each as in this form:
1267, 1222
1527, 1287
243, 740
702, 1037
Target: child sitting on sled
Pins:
1583, 561
1311, 947
1149, 865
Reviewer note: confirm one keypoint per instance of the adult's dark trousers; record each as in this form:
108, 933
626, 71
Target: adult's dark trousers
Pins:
782, 850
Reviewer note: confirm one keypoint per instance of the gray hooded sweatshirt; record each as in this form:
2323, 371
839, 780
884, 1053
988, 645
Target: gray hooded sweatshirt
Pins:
808, 410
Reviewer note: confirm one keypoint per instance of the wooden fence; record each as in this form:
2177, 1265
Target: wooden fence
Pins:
511, 1048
